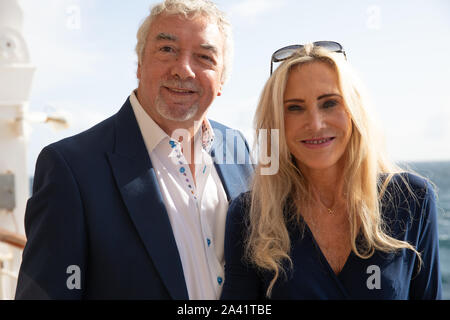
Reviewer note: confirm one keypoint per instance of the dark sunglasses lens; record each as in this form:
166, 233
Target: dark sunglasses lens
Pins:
329, 45
284, 54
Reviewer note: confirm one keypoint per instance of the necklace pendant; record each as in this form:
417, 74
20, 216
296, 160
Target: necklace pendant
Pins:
330, 211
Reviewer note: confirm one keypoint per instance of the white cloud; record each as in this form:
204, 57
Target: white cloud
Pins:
423, 140
55, 63
437, 125
237, 113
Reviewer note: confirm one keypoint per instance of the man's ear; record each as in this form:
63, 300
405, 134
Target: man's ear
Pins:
138, 72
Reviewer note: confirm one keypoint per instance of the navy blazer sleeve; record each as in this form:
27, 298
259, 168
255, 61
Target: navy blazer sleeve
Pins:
55, 228
241, 279
427, 283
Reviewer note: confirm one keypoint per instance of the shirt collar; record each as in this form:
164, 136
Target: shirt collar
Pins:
207, 135
153, 134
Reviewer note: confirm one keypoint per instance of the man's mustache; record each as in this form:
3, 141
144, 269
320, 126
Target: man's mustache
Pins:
180, 84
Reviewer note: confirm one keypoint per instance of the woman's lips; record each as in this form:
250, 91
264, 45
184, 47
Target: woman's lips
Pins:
318, 143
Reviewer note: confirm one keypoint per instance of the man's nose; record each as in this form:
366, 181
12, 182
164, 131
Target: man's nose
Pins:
182, 67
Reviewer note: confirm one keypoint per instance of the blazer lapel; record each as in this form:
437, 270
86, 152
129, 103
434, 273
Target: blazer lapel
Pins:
139, 188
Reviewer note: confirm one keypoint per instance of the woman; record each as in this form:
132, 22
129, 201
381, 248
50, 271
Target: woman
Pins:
338, 220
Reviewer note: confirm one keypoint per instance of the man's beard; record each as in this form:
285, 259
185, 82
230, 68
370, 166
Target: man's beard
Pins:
174, 113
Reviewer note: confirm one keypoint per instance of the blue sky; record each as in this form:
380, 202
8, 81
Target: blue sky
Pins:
84, 54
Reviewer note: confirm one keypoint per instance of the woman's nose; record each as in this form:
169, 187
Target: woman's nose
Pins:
315, 121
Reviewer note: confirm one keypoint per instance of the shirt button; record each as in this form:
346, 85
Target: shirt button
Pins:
219, 280
208, 241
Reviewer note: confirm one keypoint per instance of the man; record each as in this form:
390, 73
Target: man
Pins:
135, 207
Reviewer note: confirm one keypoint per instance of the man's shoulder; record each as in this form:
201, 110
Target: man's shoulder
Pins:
219, 126
97, 138
225, 130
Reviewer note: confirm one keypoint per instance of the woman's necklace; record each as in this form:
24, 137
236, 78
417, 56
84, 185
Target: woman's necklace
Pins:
330, 210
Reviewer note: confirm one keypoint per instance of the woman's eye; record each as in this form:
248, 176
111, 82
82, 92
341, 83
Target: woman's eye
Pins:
294, 107
330, 103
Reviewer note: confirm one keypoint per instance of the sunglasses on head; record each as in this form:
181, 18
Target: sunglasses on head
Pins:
287, 52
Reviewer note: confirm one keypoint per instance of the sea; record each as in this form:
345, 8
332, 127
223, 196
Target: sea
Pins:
439, 174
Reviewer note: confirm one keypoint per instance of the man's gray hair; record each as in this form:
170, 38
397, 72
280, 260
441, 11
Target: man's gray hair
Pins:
189, 8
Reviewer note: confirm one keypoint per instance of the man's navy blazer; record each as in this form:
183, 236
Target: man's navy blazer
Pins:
96, 224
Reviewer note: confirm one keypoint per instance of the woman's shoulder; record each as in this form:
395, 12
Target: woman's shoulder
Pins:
408, 192
242, 201
240, 206
408, 184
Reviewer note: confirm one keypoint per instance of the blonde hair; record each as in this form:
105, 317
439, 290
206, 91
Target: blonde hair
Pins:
190, 8
268, 243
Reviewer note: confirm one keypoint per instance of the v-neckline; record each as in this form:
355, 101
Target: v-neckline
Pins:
334, 277
323, 257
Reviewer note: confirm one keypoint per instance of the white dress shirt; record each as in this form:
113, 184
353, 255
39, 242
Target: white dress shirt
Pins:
197, 212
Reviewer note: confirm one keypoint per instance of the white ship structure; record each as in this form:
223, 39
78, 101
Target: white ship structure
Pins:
16, 77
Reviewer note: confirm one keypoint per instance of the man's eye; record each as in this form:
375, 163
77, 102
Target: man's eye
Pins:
207, 58
166, 49
330, 104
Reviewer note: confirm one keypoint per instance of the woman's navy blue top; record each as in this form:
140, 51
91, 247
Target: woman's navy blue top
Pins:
382, 276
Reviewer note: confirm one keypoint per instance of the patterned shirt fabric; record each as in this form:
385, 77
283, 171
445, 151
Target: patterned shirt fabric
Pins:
197, 211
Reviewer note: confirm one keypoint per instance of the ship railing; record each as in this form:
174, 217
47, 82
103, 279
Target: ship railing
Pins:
16, 242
